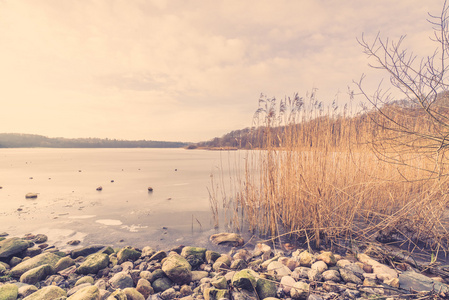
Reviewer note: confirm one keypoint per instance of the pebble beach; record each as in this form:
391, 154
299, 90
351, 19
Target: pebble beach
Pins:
31, 269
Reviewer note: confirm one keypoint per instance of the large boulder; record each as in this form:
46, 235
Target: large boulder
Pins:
13, 246
39, 260
94, 263
87, 293
9, 291
178, 269
50, 292
37, 274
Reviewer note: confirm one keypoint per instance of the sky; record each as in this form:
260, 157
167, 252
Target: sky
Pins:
185, 70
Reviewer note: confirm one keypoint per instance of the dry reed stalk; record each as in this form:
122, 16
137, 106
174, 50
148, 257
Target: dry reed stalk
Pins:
318, 175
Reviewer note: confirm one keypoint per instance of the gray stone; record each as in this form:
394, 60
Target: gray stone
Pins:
121, 281
94, 263
36, 274
349, 276
177, 268
239, 264
128, 253
332, 275
410, 280
314, 275
161, 284
26, 290
42, 259
12, 246
64, 263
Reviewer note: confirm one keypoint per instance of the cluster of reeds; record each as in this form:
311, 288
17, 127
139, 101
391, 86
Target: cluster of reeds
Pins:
323, 174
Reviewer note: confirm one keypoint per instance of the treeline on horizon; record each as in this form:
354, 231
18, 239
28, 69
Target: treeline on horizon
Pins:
323, 130
19, 140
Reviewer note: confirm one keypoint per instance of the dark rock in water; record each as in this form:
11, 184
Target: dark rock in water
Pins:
112, 180
40, 238
31, 195
85, 251
411, 280
99, 188
233, 239
150, 189
73, 242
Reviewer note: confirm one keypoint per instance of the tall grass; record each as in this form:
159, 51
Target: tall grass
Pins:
315, 173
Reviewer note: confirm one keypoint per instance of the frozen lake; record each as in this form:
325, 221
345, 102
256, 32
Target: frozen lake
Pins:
69, 207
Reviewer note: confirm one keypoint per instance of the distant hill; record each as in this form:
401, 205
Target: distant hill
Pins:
18, 140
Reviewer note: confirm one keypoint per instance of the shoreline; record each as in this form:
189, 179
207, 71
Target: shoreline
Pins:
31, 269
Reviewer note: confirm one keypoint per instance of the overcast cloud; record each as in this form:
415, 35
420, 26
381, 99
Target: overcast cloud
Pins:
183, 70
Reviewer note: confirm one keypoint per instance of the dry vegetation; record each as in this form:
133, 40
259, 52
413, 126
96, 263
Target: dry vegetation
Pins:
324, 176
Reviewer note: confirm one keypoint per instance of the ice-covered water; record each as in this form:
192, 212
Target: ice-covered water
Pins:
124, 211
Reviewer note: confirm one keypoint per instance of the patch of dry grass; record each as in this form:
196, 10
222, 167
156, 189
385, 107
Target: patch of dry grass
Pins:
318, 176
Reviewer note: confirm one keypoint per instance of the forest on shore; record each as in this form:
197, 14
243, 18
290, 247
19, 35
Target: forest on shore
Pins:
20, 140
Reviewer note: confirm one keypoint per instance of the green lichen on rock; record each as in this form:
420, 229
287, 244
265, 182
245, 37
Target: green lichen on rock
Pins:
39, 260
93, 263
9, 291
245, 279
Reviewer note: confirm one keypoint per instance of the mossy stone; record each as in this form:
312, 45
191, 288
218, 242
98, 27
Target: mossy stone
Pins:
9, 291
